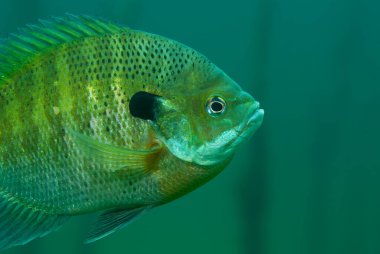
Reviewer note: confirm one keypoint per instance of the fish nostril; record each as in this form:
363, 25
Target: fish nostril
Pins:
247, 98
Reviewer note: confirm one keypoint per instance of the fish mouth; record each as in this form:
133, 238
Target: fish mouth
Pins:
256, 118
252, 122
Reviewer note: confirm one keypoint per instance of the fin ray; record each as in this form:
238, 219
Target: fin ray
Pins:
21, 224
113, 220
135, 162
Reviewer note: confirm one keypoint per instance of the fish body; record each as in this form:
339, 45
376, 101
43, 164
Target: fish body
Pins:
99, 117
86, 87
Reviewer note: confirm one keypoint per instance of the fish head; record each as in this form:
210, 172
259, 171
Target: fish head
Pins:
204, 119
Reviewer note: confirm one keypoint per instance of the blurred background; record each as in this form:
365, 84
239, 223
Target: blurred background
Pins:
309, 180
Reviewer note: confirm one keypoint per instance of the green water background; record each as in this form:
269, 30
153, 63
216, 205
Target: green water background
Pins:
309, 181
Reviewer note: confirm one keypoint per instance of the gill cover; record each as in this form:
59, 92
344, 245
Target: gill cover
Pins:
144, 105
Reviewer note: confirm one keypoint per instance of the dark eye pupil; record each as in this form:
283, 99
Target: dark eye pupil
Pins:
216, 106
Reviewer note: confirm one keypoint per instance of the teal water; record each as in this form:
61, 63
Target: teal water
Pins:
308, 181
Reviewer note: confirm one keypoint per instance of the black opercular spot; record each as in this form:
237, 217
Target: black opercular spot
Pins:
143, 105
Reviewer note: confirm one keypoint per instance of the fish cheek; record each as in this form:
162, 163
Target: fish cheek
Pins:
144, 105
171, 125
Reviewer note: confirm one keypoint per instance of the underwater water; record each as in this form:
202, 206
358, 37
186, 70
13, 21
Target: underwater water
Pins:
309, 179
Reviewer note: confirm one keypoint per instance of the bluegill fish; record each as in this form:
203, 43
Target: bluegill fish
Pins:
95, 116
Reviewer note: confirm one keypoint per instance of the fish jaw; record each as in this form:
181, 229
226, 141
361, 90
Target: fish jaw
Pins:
224, 145
221, 147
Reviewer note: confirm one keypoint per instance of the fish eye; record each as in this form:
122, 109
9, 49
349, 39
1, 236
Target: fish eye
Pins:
215, 106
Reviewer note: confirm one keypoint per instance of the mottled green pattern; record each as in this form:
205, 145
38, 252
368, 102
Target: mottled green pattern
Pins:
83, 85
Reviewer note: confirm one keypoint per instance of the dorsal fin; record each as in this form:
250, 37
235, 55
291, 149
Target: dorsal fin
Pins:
20, 48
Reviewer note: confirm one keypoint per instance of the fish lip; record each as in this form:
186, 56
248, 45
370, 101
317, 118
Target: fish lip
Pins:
253, 121
256, 117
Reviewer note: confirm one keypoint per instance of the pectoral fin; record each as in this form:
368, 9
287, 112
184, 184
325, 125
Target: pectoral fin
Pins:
134, 162
113, 220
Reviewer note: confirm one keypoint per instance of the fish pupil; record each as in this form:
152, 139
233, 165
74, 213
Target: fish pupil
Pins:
143, 105
216, 106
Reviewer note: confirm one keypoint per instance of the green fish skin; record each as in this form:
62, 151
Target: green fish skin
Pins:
95, 116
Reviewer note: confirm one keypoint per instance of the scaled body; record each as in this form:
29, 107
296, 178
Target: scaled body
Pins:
68, 141
84, 85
